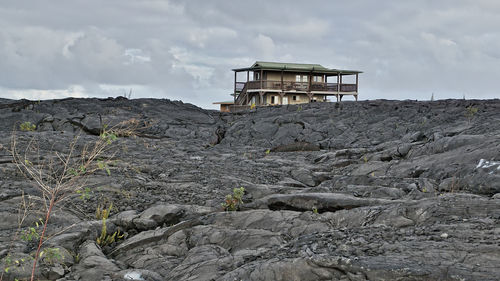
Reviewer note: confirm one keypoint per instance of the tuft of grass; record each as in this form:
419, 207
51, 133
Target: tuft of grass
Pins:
27, 127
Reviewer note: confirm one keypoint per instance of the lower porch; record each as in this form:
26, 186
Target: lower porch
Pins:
260, 98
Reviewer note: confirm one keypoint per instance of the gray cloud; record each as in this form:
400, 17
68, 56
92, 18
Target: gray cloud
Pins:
186, 49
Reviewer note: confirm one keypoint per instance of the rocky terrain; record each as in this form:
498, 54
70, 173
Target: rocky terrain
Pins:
372, 190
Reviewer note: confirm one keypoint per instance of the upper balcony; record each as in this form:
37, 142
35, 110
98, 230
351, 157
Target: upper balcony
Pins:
290, 86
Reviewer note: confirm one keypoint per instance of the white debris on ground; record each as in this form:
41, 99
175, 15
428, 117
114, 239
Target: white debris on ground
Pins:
485, 164
133, 275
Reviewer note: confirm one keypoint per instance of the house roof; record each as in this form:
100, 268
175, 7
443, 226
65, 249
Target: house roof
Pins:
301, 67
223, 102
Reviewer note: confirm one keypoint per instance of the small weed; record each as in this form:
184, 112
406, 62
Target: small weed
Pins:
315, 210
31, 233
51, 255
8, 262
268, 151
101, 165
101, 213
27, 126
79, 171
109, 137
106, 239
84, 193
234, 201
470, 112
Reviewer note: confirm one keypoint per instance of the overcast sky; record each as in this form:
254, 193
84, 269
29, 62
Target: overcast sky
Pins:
185, 50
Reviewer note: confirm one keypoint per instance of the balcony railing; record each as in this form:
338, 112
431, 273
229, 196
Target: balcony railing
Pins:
297, 86
239, 86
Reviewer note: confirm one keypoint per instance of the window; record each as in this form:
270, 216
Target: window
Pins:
318, 78
300, 78
257, 75
272, 99
294, 98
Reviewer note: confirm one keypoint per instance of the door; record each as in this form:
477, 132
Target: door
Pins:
285, 100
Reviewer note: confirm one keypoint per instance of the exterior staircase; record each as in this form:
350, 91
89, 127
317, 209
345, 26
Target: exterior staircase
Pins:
242, 97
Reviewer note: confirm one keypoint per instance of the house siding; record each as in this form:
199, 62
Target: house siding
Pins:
287, 76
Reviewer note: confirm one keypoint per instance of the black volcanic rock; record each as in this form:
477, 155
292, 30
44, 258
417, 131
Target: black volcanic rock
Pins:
371, 190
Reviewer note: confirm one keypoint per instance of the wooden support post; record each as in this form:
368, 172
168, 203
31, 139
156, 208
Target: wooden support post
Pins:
235, 87
338, 85
261, 99
282, 86
309, 82
357, 83
261, 78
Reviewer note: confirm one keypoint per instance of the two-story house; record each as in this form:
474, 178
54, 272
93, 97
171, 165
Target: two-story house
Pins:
273, 83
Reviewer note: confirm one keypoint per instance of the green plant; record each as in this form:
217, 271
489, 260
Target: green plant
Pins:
101, 213
268, 151
10, 263
27, 126
84, 193
109, 137
105, 238
470, 112
51, 255
23, 211
103, 166
234, 201
61, 173
30, 234
315, 210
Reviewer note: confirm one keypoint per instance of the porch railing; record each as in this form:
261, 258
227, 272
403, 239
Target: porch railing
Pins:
240, 86
297, 86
